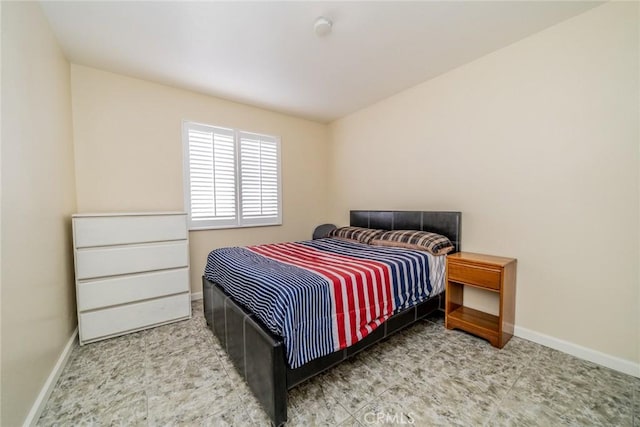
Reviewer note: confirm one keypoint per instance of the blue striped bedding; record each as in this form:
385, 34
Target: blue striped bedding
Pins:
324, 295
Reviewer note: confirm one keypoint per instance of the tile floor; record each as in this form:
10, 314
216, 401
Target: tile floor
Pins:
426, 376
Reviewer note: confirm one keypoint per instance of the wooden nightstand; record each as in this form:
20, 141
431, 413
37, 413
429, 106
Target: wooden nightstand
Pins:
490, 273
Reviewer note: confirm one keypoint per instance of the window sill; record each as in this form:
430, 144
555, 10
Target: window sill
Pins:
226, 227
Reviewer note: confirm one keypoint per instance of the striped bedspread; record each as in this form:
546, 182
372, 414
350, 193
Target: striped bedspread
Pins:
324, 295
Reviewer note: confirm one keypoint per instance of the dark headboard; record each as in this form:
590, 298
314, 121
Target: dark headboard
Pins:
445, 223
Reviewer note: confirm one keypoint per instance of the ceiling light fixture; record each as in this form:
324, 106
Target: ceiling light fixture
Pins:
322, 26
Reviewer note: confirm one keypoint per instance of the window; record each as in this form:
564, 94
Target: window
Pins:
231, 177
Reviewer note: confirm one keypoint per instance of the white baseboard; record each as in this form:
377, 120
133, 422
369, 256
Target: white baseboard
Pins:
195, 296
47, 388
616, 363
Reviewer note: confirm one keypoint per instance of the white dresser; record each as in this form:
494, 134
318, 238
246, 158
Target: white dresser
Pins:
132, 272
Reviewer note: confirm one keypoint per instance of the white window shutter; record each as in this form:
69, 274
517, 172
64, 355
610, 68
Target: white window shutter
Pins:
211, 173
259, 179
231, 178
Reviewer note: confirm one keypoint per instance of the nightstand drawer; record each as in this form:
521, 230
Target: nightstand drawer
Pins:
474, 275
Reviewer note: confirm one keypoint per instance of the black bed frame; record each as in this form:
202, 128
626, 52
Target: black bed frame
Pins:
259, 355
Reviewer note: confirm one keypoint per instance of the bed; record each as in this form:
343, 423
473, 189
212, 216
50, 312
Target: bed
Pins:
265, 358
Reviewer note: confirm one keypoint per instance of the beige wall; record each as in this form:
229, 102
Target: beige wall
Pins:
0, 222
128, 151
537, 145
38, 197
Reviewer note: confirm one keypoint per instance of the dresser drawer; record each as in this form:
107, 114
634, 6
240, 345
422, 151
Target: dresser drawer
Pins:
111, 261
474, 275
124, 289
122, 230
130, 317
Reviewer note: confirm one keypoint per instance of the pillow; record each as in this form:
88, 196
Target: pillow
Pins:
355, 234
415, 239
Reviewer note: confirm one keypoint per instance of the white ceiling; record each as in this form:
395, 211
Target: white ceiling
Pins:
267, 54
